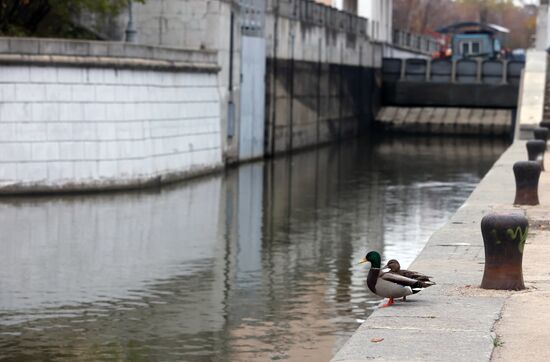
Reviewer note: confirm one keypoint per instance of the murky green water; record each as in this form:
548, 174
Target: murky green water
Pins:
259, 264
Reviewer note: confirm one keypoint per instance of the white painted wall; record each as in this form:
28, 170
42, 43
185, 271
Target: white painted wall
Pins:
531, 96
379, 13
95, 127
198, 25
543, 29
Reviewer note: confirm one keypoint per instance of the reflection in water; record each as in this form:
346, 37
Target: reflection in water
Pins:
258, 264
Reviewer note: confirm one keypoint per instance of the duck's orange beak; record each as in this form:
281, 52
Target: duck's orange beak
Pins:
363, 261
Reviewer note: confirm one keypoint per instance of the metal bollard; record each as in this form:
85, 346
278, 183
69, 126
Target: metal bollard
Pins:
504, 237
527, 175
541, 133
545, 124
535, 151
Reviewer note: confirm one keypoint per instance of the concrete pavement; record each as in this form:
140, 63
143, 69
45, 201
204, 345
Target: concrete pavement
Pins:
455, 320
522, 330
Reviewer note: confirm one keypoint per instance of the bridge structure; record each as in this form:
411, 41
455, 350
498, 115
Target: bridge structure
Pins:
466, 96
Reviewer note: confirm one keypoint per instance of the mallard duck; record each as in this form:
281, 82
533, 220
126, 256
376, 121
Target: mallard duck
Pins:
391, 284
395, 267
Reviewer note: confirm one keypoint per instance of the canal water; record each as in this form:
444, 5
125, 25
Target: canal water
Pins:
257, 264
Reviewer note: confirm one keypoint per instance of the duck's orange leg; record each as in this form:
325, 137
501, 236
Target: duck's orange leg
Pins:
390, 302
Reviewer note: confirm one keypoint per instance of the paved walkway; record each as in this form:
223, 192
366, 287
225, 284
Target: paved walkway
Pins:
523, 330
455, 320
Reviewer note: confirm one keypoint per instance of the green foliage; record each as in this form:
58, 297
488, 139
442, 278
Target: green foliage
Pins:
54, 18
497, 342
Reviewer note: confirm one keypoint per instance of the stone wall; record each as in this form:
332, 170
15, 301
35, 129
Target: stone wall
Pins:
310, 48
542, 39
323, 76
532, 93
73, 117
198, 25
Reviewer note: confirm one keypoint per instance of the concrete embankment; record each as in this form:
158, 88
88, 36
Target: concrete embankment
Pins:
522, 329
456, 320
83, 115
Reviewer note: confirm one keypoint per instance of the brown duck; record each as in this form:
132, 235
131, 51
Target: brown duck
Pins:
390, 284
395, 267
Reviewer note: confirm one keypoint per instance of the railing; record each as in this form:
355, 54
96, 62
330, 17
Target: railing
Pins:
461, 71
311, 12
407, 40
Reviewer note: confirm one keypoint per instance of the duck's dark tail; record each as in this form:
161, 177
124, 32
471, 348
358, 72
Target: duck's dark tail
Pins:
419, 285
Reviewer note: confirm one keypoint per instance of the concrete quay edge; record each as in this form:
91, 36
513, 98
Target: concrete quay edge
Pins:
106, 62
455, 319
107, 184
531, 93
19, 49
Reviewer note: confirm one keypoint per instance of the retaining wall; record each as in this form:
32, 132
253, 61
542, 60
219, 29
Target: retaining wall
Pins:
322, 76
309, 47
77, 116
199, 25
532, 93
456, 319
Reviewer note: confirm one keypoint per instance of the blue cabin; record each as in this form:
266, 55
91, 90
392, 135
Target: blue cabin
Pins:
475, 40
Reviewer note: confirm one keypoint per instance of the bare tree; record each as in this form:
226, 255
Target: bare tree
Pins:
426, 16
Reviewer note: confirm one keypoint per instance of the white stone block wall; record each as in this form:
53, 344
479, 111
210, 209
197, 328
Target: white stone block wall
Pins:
542, 41
531, 93
87, 128
196, 24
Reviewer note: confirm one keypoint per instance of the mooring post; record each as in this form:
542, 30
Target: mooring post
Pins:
545, 123
541, 133
535, 151
527, 175
504, 237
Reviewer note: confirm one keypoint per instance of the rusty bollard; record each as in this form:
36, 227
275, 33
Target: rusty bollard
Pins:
541, 133
527, 175
504, 238
535, 151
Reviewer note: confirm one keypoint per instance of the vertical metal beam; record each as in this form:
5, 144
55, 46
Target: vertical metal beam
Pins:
428, 70
131, 32
319, 88
291, 76
479, 70
274, 76
453, 71
231, 104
